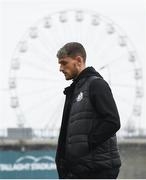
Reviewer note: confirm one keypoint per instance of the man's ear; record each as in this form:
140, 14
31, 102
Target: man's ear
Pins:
79, 59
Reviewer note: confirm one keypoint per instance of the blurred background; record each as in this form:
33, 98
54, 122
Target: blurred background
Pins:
31, 86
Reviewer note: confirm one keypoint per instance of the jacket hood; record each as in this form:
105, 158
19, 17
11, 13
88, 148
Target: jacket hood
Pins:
87, 72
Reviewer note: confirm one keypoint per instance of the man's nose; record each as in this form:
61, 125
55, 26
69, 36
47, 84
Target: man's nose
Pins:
61, 68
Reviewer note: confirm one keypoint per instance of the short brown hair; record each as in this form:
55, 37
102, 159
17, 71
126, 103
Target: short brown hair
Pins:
72, 50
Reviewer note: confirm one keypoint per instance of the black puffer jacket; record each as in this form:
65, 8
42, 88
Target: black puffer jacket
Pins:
87, 141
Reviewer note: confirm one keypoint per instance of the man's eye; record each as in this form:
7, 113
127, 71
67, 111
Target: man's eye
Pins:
64, 63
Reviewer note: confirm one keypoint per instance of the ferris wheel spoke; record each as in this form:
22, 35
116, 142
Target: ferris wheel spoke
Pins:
54, 116
64, 30
39, 103
57, 121
96, 41
49, 52
58, 35
72, 36
43, 69
104, 46
4, 89
52, 119
48, 80
125, 72
35, 66
124, 100
114, 60
111, 48
40, 56
55, 35
123, 85
79, 33
40, 50
51, 37
46, 37
33, 78
102, 50
36, 91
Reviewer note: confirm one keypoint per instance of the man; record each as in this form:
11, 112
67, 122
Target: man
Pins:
87, 145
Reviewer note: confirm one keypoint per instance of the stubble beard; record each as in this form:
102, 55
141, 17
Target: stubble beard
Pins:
74, 74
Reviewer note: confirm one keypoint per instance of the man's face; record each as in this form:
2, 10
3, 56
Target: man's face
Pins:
68, 66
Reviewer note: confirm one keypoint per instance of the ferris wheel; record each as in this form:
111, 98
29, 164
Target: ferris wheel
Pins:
36, 85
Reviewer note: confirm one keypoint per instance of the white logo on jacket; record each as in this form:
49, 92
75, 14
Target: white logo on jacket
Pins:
79, 97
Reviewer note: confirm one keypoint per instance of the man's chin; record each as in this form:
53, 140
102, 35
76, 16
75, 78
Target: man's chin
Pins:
68, 78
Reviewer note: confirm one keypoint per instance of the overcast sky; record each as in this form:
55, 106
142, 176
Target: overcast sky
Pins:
16, 16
